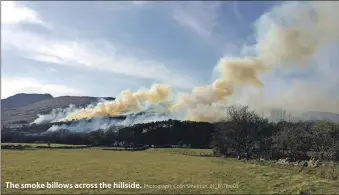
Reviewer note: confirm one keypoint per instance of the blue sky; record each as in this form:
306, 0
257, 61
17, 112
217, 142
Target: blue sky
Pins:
101, 48
179, 40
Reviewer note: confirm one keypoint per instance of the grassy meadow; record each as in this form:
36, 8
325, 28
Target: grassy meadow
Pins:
39, 144
166, 167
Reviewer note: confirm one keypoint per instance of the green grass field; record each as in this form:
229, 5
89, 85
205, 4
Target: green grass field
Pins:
39, 144
152, 167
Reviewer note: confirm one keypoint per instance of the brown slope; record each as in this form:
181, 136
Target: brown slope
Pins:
30, 112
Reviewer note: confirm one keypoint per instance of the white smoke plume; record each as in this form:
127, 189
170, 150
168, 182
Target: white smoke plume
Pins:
106, 123
55, 115
59, 114
86, 126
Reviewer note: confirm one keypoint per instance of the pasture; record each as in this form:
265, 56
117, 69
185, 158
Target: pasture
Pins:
156, 170
39, 144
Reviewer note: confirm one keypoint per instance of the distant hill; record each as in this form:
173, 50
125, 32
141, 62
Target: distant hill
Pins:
279, 114
315, 116
22, 99
28, 113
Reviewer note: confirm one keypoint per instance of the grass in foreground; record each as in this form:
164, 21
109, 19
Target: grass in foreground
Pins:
153, 168
39, 144
184, 151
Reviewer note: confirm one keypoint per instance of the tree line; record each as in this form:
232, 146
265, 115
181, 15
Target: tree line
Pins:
247, 135
161, 133
244, 135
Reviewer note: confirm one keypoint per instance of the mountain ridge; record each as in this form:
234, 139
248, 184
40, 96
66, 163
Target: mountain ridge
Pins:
29, 112
22, 99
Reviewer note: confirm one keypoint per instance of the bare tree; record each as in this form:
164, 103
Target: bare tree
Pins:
244, 133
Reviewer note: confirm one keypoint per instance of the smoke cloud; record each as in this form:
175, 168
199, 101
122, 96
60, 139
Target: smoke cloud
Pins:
86, 126
287, 38
56, 115
59, 114
106, 123
128, 101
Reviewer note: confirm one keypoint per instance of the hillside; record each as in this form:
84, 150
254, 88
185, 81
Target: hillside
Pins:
14, 112
22, 99
29, 113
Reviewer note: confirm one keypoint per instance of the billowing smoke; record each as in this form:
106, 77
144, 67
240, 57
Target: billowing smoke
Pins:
86, 126
106, 123
287, 39
206, 103
56, 115
59, 114
128, 101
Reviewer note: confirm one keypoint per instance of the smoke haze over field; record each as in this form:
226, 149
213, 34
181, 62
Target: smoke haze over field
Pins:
288, 38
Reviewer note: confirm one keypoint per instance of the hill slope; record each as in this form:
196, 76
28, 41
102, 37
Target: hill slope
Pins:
294, 115
22, 99
30, 112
